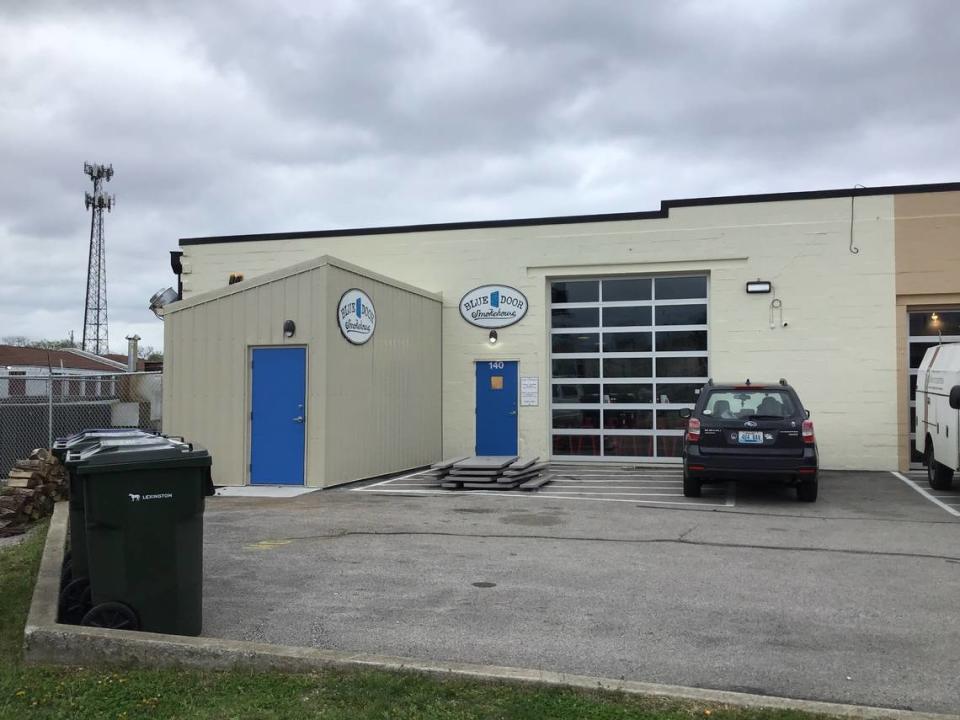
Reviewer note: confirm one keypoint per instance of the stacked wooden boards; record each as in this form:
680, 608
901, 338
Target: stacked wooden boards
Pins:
495, 472
438, 471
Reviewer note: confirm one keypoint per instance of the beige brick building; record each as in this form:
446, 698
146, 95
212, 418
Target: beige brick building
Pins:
627, 314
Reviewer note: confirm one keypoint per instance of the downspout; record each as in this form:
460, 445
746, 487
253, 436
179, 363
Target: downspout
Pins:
177, 266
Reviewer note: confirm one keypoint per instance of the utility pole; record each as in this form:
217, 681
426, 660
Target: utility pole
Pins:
95, 311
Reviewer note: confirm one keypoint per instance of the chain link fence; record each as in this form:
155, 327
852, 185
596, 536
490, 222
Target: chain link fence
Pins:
36, 409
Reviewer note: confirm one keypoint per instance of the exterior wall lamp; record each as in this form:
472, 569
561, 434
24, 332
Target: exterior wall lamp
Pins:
289, 328
759, 286
493, 337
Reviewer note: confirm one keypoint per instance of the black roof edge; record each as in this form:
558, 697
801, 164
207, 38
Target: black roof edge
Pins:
664, 211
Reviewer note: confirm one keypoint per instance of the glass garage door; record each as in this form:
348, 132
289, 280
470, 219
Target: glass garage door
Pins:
626, 355
927, 328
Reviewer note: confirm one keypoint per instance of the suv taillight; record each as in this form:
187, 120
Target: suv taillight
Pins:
693, 430
808, 437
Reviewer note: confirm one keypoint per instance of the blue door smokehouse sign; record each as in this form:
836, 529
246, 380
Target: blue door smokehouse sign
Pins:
493, 306
356, 316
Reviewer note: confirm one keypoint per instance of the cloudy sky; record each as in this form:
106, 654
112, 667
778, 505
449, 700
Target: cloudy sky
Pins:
242, 116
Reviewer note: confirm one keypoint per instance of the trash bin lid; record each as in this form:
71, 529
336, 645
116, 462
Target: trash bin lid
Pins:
90, 435
81, 452
144, 457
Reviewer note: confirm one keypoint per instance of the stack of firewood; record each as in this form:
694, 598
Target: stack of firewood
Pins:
30, 491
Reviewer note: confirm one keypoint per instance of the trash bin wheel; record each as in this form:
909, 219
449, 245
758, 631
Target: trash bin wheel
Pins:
66, 574
113, 615
75, 600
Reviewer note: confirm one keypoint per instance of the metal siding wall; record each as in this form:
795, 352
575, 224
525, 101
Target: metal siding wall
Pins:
383, 412
207, 375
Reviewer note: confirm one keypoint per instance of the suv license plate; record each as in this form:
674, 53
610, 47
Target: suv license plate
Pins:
751, 438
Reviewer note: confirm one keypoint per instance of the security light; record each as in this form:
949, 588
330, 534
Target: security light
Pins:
162, 298
289, 328
759, 286
493, 337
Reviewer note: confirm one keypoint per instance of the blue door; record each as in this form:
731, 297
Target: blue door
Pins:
497, 408
278, 417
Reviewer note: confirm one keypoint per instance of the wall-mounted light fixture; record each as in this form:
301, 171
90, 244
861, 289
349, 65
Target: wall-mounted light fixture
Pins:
493, 337
289, 328
759, 286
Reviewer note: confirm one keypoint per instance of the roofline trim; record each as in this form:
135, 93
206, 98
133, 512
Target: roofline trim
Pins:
663, 212
290, 271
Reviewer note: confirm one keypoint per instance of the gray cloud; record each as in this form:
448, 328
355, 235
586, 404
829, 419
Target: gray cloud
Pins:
302, 115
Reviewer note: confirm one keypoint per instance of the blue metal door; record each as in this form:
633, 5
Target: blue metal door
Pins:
278, 416
497, 408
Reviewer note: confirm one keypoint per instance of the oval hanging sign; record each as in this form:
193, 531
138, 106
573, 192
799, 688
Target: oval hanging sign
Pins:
356, 316
493, 306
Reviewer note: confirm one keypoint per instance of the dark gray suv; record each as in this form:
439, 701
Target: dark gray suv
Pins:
749, 430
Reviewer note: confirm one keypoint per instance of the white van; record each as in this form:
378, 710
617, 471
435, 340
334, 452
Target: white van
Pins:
938, 411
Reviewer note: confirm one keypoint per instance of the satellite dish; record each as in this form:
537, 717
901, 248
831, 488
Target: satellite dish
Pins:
162, 298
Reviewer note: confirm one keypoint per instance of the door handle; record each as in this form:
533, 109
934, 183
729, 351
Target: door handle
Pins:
514, 412
298, 419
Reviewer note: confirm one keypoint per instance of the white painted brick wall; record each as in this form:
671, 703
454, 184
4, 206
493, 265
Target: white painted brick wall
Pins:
839, 349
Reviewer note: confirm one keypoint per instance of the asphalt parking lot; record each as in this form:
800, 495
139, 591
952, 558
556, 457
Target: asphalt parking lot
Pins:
851, 599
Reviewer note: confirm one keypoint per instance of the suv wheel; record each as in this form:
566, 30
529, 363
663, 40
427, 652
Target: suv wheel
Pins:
691, 486
939, 476
807, 490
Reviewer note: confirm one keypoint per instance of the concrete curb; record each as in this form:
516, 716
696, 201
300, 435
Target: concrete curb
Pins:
47, 642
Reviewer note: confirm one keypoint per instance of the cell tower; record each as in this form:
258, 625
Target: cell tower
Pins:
95, 312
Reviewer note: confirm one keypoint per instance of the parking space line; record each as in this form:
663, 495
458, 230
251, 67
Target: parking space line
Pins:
629, 486
931, 498
390, 480
541, 494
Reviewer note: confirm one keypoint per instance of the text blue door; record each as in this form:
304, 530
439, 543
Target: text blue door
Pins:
496, 408
278, 416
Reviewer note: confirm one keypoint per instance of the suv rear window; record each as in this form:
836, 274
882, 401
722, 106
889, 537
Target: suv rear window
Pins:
746, 404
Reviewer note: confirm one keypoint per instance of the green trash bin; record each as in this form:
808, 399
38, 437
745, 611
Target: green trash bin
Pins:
143, 509
74, 576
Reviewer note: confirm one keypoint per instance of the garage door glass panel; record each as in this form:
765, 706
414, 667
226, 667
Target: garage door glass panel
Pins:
677, 288
576, 418
628, 445
576, 368
682, 367
681, 315
574, 393
575, 317
628, 342
650, 356
626, 316
934, 323
670, 420
576, 445
617, 393
625, 290
685, 393
917, 351
575, 291
575, 343
627, 419
627, 367
670, 445
681, 341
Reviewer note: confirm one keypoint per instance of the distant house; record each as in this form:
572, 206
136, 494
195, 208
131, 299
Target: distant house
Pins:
19, 364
